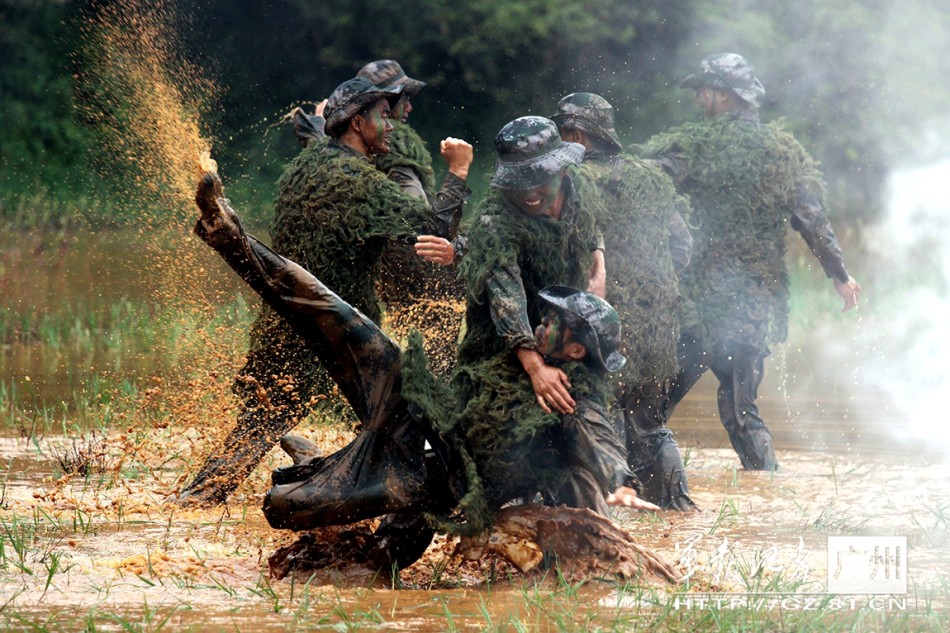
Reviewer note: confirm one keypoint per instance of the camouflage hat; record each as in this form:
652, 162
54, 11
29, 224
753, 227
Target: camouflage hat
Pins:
588, 113
385, 73
728, 71
350, 97
595, 323
531, 152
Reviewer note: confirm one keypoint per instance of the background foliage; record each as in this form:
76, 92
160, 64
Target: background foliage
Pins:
853, 78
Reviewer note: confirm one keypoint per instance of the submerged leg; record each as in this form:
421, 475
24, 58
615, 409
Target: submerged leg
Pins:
740, 371
653, 455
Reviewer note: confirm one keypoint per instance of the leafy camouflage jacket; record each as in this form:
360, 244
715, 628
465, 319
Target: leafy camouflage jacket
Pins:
512, 255
408, 162
645, 240
334, 214
746, 183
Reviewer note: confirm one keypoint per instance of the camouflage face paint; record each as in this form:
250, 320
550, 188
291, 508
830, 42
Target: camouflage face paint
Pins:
551, 335
539, 200
377, 128
401, 110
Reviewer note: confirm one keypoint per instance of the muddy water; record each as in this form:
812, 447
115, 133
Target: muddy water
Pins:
108, 546
123, 554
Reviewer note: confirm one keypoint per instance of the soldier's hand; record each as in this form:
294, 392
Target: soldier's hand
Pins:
458, 154
627, 498
320, 106
850, 291
550, 384
437, 250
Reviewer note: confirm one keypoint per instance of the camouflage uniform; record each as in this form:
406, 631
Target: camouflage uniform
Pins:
647, 242
401, 405
417, 293
334, 215
511, 255
746, 182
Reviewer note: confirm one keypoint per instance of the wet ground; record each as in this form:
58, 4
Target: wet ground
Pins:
108, 546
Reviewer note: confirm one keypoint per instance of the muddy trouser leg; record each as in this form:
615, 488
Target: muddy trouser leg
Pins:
383, 470
593, 455
739, 370
693, 362
653, 455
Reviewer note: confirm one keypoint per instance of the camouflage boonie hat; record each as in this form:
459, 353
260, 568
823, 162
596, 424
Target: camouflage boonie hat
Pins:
589, 113
729, 71
531, 152
350, 97
385, 73
594, 322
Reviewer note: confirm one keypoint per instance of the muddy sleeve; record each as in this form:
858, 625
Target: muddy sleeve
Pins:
307, 127
447, 205
809, 219
508, 305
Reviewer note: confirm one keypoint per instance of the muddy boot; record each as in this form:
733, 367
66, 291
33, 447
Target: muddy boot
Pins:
218, 223
754, 448
658, 466
300, 449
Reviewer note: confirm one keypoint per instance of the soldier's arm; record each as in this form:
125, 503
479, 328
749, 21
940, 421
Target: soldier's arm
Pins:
681, 242
809, 219
509, 311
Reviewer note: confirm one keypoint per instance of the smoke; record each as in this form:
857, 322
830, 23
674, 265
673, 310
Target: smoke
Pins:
908, 329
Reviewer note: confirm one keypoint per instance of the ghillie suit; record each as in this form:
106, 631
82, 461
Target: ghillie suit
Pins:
416, 293
510, 257
401, 405
746, 183
334, 214
642, 225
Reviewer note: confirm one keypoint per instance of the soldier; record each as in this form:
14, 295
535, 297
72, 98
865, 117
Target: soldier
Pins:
746, 182
384, 470
647, 243
536, 228
334, 214
417, 293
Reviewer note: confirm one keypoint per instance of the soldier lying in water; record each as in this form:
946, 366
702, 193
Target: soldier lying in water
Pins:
576, 460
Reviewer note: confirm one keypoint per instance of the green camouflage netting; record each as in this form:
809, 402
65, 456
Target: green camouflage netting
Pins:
407, 149
641, 281
548, 252
742, 179
334, 214
500, 432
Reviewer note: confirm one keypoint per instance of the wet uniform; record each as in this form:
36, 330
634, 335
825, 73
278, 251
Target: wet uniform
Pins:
334, 215
747, 182
648, 242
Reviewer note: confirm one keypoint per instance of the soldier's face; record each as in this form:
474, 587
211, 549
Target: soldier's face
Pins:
401, 110
539, 200
554, 339
375, 128
551, 336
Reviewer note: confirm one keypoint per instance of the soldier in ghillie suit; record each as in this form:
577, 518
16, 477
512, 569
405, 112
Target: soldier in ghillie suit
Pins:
334, 214
417, 293
402, 405
646, 243
746, 182
536, 228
